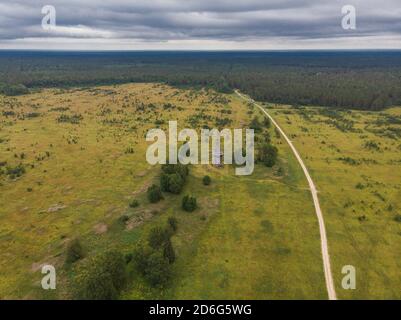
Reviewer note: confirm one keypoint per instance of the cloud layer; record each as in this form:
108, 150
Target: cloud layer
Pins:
199, 24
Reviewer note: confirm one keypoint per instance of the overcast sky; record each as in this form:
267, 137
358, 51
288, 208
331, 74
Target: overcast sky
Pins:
199, 24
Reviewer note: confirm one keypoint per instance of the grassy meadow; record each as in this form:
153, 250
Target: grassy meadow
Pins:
354, 159
72, 160
82, 152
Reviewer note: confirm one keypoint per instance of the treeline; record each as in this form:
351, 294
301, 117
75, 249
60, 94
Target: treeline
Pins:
13, 89
360, 80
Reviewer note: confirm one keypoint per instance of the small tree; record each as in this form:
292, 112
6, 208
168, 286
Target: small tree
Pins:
158, 236
268, 155
255, 125
74, 251
172, 223
173, 177
179, 168
157, 271
176, 183
206, 180
168, 251
100, 277
134, 203
266, 122
164, 181
189, 203
154, 194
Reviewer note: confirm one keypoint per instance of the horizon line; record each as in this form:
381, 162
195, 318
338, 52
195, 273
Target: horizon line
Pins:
201, 50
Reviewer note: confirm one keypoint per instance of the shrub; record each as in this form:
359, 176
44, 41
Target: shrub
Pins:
129, 150
280, 171
164, 182
173, 177
139, 257
73, 119
158, 237
124, 218
157, 271
171, 182
153, 266
175, 183
179, 168
172, 223
397, 218
128, 257
154, 194
268, 155
206, 180
93, 285
15, 172
266, 122
189, 203
255, 125
134, 203
168, 251
100, 277
32, 115
74, 251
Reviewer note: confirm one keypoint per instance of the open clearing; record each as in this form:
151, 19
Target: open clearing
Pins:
354, 159
252, 237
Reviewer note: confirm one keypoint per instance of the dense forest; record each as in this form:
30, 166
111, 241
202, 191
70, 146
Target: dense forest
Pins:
351, 79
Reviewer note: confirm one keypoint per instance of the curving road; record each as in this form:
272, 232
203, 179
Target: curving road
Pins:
331, 291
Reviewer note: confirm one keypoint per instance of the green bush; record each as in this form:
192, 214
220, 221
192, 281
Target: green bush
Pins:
175, 183
158, 237
157, 271
134, 203
172, 223
128, 257
173, 177
268, 154
73, 119
179, 168
94, 286
168, 251
74, 251
124, 218
101, 277
153, 266
189, 203
255, 125
154, 194
139, 258
266, 122
206, 180
164, 182
397, 218
15, 172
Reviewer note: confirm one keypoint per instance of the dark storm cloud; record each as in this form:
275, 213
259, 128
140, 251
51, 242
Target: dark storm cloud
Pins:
162, 20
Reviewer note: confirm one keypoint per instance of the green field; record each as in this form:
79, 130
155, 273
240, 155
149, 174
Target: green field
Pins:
252, 237
354, 158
